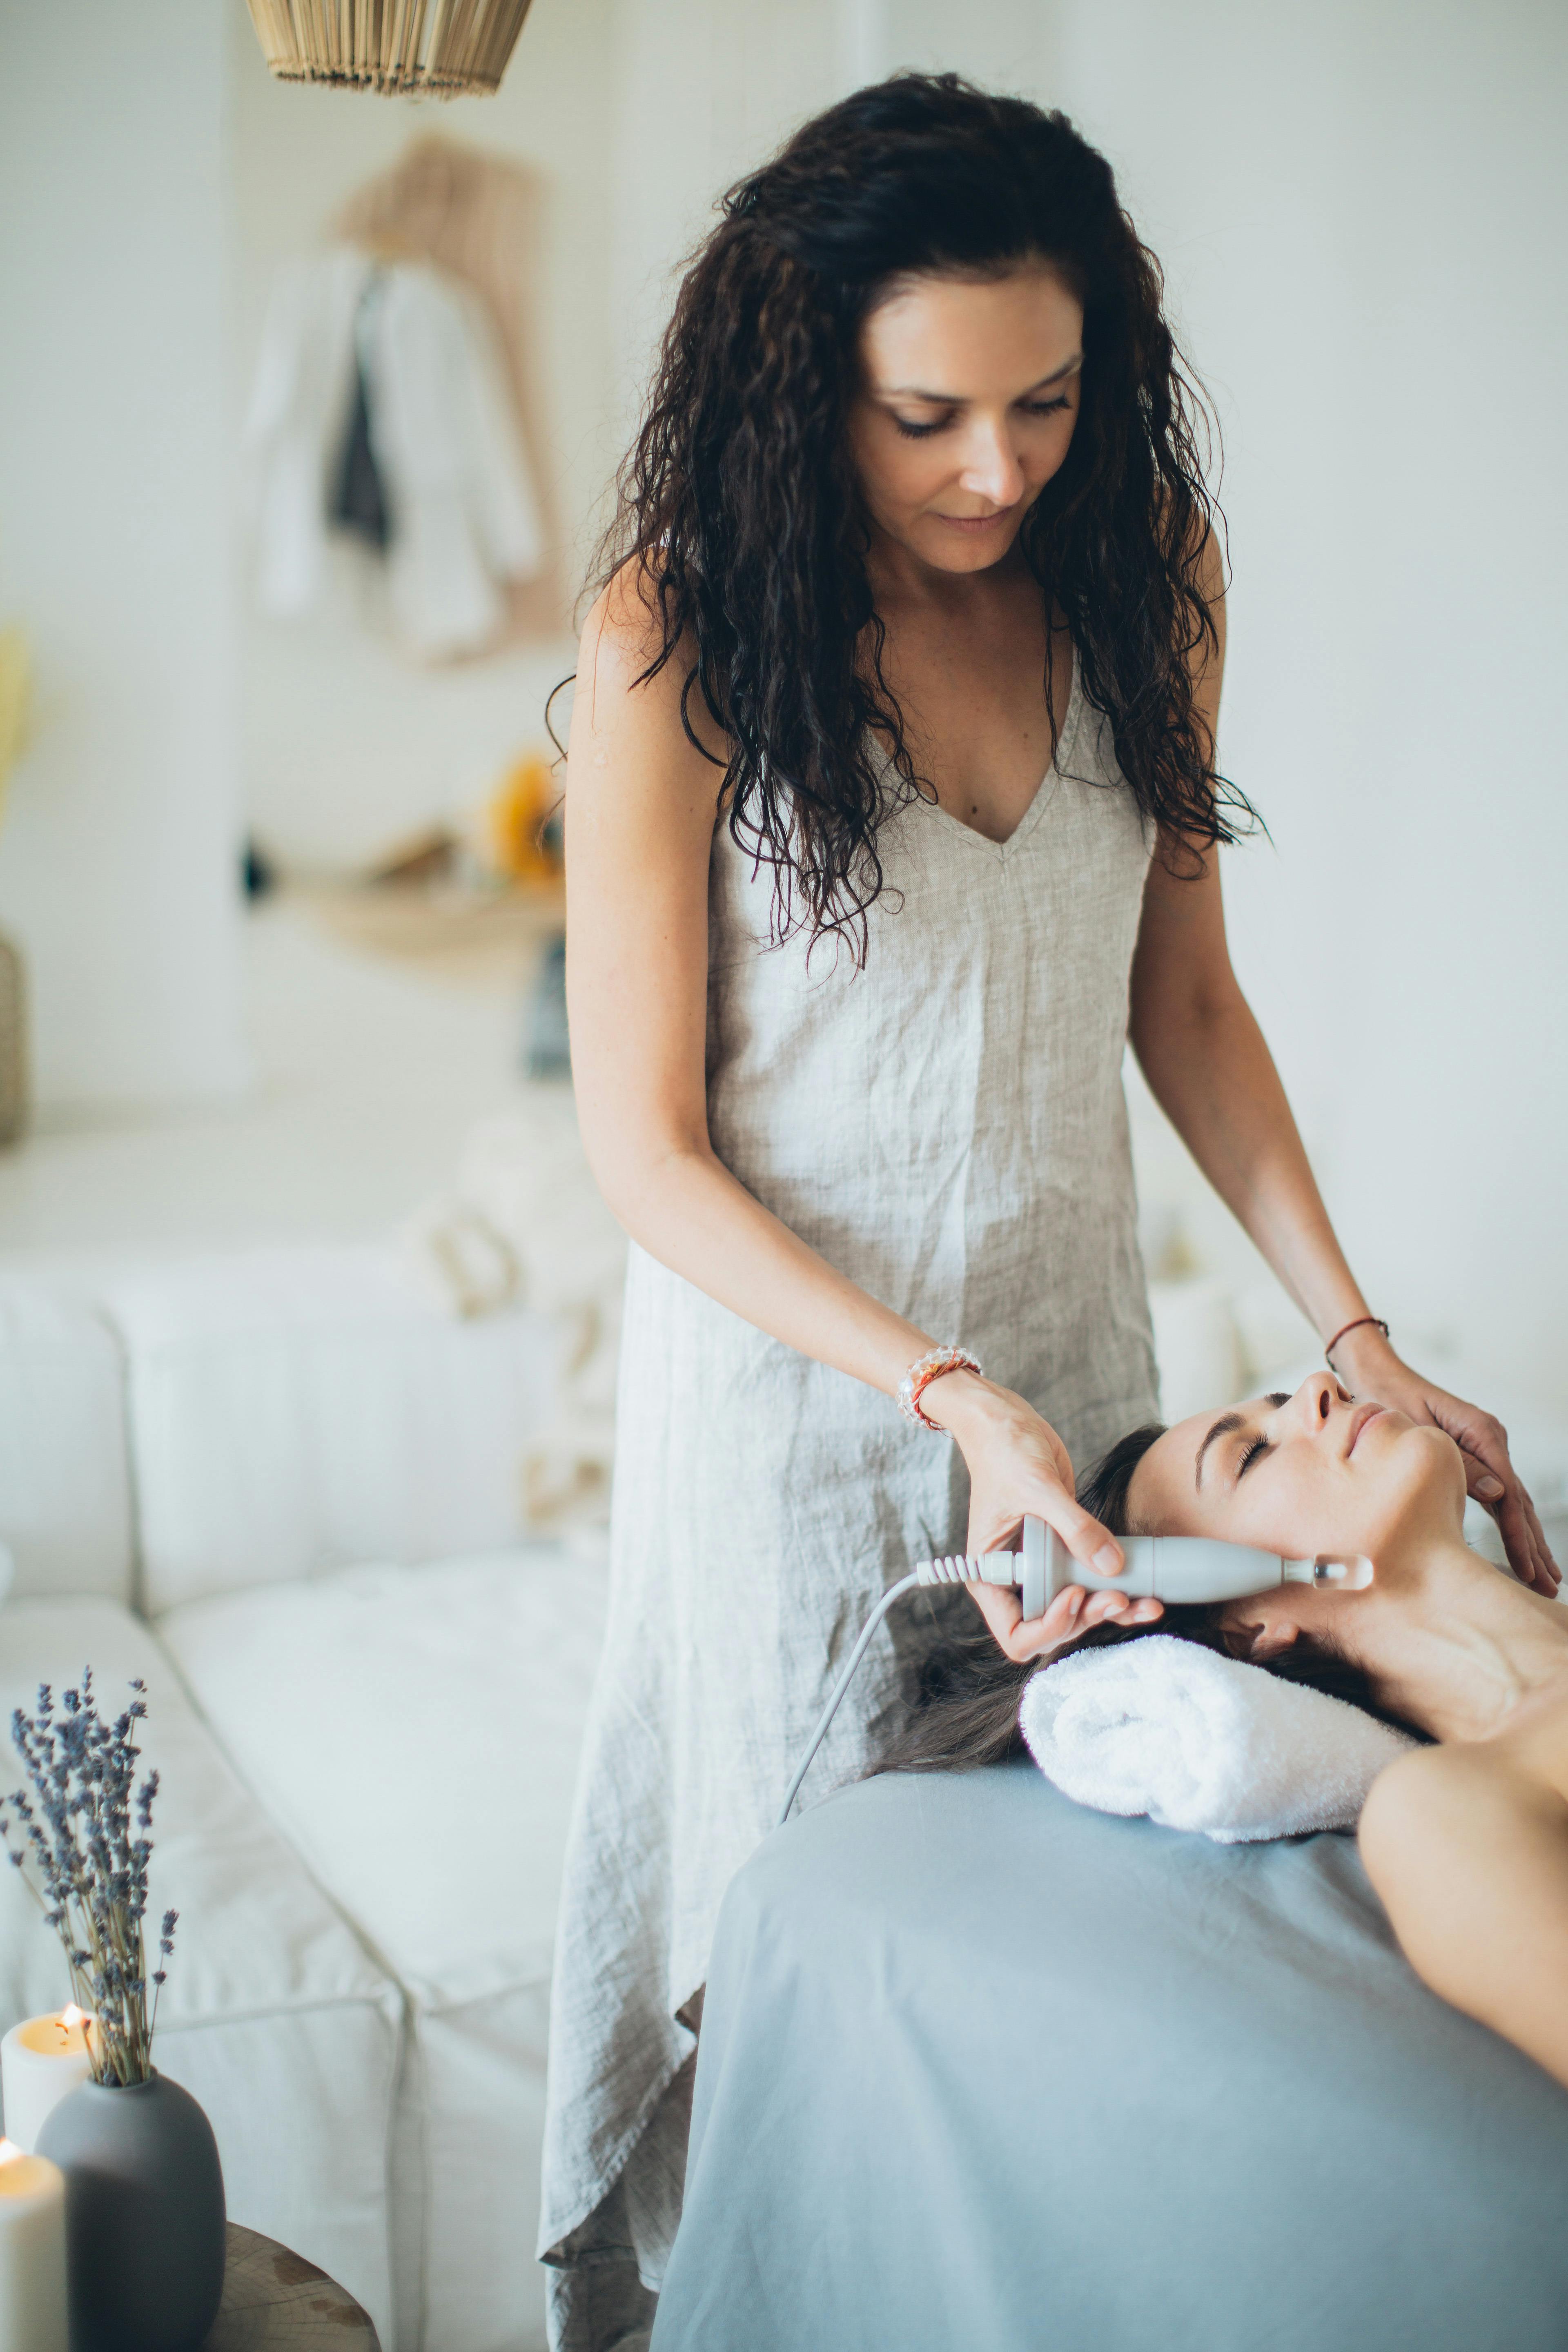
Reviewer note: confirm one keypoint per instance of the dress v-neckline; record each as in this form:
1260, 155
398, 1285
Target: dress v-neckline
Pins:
1044, 791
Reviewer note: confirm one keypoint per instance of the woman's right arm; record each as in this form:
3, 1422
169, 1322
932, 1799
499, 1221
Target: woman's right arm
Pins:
639, 817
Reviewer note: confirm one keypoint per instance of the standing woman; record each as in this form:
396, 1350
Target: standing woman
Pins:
891, 814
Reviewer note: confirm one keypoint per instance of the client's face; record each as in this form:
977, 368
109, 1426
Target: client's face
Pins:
1303, 1474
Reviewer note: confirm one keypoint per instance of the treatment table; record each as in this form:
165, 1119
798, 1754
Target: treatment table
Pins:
982, 2071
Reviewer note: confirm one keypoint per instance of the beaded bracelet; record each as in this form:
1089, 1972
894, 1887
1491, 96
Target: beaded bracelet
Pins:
920, 1375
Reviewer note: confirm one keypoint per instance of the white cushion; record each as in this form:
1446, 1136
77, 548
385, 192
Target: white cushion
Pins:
65, 1493
1196, 1346
414, 1732
293, 1411
274, 2015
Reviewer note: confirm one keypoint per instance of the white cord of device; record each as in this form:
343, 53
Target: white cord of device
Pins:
894, 1591
970, 1568
956, 1567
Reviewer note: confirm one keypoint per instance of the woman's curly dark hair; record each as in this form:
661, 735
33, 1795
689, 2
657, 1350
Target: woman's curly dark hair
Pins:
740, 508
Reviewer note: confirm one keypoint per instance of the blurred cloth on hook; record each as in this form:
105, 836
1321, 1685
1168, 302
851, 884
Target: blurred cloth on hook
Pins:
462, 512
359, 501
478, 216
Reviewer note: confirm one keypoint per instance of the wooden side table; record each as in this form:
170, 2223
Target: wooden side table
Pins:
274, 2297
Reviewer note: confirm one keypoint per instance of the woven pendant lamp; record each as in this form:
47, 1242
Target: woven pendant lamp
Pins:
435, 48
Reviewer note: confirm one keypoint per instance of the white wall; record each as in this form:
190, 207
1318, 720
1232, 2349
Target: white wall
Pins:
346, 743
117, 862
1362, 212
635, 114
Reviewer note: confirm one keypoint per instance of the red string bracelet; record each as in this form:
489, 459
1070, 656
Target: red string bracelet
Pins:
1356, 1325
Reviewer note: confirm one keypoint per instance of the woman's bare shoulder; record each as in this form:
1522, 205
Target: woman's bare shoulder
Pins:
1475, 1793
622, 625
634, 677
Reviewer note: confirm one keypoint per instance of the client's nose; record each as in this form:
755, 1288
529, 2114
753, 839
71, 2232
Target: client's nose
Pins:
1315, 1400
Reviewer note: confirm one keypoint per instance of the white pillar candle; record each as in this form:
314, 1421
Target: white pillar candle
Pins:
32, 2253
40, 2061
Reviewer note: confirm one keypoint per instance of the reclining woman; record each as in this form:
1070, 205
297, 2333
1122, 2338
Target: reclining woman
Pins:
1465, 1840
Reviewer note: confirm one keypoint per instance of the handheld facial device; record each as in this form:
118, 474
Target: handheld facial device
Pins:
1167, 1567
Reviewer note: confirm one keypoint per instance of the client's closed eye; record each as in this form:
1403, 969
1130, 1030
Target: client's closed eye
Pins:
1259, 1445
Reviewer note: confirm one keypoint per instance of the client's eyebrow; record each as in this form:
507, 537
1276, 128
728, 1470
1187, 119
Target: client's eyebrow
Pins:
1225, 1426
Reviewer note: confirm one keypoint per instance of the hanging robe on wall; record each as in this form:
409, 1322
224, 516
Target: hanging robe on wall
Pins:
359, 502
478, 216
462, 514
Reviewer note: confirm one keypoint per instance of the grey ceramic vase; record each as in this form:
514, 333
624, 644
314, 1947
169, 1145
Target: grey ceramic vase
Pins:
144, 2216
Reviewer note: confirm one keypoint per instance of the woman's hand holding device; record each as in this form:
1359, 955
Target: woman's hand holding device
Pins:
1017, 1464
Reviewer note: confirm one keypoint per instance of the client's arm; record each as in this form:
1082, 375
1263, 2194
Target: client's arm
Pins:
1468, 1846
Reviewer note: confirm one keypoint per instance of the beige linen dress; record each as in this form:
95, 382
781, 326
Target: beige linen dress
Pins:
947, 1127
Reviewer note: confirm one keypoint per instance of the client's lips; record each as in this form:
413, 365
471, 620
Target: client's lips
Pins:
1359, 1420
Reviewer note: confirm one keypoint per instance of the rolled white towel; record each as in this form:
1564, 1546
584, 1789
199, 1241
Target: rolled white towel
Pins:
1199, 1741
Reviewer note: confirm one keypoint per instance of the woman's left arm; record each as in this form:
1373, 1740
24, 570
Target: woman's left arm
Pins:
1212, 1074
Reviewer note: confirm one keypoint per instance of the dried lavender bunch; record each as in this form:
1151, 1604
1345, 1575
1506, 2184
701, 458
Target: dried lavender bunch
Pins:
88, 1872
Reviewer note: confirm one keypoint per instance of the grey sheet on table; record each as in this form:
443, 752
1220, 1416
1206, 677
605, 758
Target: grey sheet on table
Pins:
981, 2071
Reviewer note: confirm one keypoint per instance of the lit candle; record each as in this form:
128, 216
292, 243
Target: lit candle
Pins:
32, 2253
40, 2061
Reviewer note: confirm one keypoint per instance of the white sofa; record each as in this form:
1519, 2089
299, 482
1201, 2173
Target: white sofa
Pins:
290, 1497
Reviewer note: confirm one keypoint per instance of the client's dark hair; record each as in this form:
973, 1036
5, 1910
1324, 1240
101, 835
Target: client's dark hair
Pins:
967, 1689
